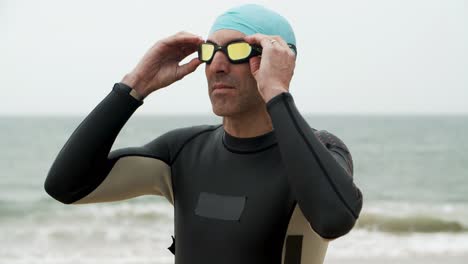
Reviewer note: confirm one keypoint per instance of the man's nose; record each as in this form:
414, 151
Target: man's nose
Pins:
220, 62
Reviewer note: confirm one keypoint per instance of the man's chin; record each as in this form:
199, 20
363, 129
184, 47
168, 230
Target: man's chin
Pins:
223, 111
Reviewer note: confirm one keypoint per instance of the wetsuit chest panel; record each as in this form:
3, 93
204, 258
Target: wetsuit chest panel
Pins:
204, 169
221, 207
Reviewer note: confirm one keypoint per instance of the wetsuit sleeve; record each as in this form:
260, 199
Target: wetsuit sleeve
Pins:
85, 171
320, 173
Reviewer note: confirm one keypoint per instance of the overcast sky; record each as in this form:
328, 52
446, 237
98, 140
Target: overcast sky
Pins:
398, 56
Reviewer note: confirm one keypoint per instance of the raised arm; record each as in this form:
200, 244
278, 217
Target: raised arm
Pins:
84, 163
84, 170
320, 174
319, 168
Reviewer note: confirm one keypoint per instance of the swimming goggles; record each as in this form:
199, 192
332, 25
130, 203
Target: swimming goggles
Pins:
237, 51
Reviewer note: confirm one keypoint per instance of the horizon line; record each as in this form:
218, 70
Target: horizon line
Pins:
213, 115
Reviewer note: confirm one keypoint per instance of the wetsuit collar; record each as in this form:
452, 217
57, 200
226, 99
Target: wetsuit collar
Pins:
248, 145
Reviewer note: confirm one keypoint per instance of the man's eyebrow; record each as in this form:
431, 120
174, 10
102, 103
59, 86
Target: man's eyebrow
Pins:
236, 39
211, 41
229, 41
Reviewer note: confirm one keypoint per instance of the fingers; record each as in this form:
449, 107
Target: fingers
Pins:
188, 49
267, 42
183, 38
187, 68
180, 45
280, 40
259, 39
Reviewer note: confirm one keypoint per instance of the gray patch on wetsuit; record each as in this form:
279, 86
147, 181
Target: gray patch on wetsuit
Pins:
222, 207
293, 250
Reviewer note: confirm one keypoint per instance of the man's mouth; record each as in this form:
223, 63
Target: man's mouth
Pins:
221, 86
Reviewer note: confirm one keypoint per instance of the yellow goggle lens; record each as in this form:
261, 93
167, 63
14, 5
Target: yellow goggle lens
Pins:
238, 51
206, 51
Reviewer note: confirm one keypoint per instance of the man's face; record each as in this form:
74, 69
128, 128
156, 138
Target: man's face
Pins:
231, 87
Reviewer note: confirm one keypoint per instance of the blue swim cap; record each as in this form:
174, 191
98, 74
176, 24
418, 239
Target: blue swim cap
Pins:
250, 19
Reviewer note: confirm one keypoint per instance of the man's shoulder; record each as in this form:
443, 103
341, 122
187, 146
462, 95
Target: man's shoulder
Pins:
185, 133
330, 140
166, 146
337, 147
173, 140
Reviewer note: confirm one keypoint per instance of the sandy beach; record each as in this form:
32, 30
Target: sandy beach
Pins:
411, 213
461, 259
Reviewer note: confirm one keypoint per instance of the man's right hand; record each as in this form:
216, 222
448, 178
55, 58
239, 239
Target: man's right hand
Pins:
160, 65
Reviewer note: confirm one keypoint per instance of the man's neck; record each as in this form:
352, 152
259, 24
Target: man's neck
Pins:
249, 124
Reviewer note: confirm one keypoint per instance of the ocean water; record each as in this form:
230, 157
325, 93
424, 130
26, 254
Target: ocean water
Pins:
412, 170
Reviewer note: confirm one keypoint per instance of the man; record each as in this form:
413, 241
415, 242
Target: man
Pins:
263, 187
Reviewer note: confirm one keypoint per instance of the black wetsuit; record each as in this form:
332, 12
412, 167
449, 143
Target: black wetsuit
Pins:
233, 197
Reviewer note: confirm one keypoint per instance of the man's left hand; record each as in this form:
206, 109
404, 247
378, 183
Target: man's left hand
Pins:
275, 68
